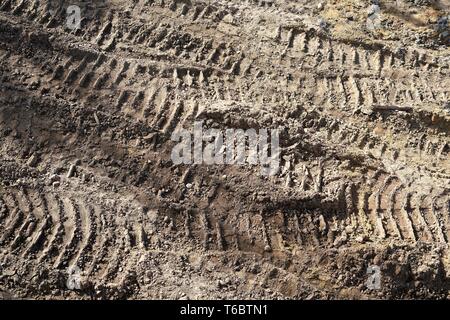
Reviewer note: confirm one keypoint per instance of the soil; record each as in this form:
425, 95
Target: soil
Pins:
86, 177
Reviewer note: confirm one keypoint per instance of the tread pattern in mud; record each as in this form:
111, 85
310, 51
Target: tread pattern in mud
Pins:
365, 155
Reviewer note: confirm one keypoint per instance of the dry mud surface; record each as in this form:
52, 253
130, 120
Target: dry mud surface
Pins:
86, 177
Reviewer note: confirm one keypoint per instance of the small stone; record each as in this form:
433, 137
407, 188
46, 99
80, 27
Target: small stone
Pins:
34, 85
377, 260
447, 106
267, 248
32, 161
71, 171
348, 229
188, 185
97, 120
373, 9
223, 283
322, 224
322, 23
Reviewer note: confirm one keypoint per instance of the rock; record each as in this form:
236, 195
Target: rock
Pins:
71, 171
348, 229
373, 14
34, 85
322, 224
97, 120
289, 182
322, 24
33, 160
228, 19
223, 283
373, 9
447, 106
442, 23
377, 260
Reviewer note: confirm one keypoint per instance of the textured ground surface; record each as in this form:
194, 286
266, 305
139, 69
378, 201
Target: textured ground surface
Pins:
364, 116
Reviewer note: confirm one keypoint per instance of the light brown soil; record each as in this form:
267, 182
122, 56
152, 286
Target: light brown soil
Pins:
364, 117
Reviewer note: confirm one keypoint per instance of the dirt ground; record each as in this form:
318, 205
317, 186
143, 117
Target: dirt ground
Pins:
93, 207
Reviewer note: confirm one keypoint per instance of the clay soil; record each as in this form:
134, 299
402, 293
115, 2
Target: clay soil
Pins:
88, 188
